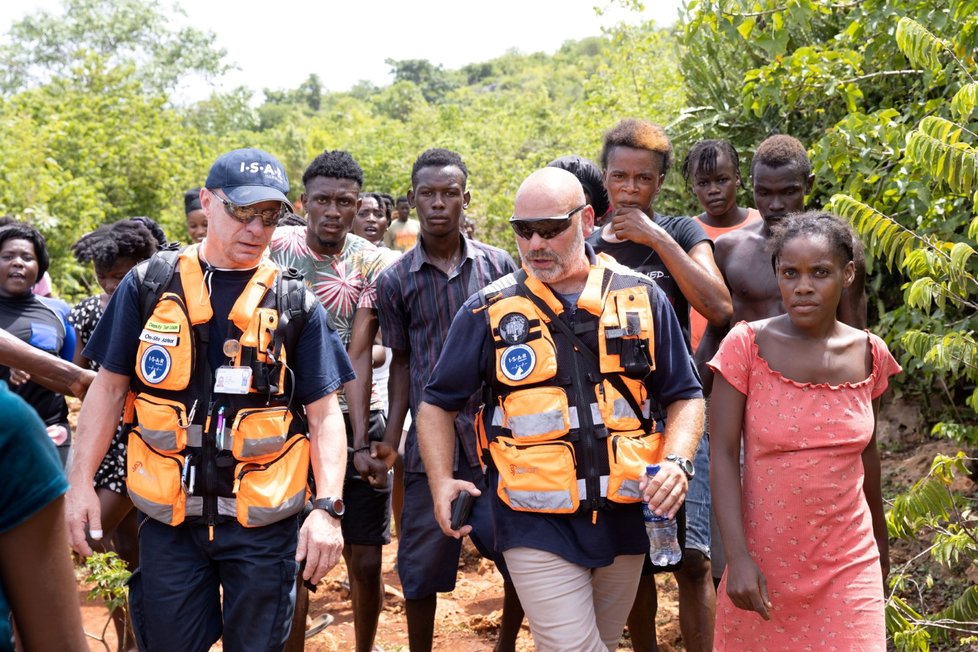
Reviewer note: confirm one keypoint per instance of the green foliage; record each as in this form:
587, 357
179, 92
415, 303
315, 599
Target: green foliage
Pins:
884, 95
110, 577
931, 506
136, 33
922, 48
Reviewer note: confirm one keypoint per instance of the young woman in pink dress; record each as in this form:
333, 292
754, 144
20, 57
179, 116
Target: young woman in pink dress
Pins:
807, 551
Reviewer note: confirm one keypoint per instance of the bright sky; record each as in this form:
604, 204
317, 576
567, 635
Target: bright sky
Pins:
279, 44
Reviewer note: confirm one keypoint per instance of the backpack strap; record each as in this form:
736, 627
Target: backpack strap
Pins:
291, 301
154, 277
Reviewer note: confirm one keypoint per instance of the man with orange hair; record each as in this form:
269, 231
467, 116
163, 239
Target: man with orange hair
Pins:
676, 253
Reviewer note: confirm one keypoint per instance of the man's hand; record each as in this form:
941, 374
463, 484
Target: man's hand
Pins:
630, 223
79, 386
320, 545
442, 496
82, 509
747, 586
373, 465
666, 490
18, 377
384, 452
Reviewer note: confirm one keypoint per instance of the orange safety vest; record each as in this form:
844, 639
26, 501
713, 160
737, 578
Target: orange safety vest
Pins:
181, 467
562, 430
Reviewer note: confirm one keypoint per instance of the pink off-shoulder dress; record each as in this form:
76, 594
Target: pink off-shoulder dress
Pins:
806, 519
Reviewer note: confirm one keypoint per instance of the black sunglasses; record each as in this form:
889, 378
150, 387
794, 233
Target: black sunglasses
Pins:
545, 227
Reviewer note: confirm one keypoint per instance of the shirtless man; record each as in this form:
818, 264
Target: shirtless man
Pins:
781, 177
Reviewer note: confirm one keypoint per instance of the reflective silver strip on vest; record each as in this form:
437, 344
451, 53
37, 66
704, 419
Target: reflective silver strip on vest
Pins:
596, 417
195, 505
166, 440
227, 506
575, 420
582, 487
254, 448
156, 511
163, 440
622, 409
195, 436
629, 489
534, 425
536, 501
646, 408
258, 516
572, 418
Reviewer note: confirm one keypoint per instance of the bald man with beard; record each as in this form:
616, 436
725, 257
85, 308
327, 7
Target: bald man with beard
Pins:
562, 382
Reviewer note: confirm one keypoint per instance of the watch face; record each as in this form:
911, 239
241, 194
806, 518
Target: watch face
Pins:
333, 506
683, 463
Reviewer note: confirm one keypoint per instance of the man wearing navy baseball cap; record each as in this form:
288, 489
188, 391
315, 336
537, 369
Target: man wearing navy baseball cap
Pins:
214, 352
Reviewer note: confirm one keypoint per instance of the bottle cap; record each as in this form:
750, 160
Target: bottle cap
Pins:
651, 469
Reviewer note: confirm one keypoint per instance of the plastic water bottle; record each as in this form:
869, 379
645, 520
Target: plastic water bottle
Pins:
663, 538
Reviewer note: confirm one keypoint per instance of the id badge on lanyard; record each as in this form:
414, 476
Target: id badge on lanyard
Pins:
232, 380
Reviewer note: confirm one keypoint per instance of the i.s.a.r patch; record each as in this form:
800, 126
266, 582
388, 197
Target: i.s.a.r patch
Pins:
155, 364
514, 328
517, 361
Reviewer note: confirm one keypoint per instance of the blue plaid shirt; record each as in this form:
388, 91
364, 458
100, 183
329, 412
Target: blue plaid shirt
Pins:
416, 303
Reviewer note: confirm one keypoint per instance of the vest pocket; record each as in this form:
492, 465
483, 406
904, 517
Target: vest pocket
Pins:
259, 434
155, 482
267, 493
162, 423
628, 455
540, 477
616, 410
538, 414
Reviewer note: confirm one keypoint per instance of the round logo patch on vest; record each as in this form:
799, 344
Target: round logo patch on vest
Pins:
155, 364
517, 362
514, 328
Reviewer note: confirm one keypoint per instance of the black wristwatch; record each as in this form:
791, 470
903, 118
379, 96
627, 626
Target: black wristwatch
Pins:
335, 507
684, 463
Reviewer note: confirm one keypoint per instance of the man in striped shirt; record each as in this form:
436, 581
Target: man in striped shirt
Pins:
417, 297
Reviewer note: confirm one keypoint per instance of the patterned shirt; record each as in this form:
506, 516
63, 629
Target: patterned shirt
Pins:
343, 283
84, 316
416, 303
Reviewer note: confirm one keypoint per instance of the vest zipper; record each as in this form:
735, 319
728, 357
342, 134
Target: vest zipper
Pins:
207, 458
586, 436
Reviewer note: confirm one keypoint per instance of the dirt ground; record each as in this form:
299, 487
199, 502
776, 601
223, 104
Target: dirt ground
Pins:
467, 618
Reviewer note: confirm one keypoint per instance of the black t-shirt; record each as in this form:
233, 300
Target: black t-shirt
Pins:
685, 231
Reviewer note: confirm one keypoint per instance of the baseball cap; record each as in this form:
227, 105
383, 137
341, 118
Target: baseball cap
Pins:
248, 176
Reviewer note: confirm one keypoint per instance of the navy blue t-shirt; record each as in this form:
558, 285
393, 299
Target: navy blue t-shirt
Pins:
619, 529
320, 364
32, 476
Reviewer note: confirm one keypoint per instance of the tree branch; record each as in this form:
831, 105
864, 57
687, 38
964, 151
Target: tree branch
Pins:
881, 73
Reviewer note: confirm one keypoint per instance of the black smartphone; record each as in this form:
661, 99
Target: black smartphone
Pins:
461, 508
